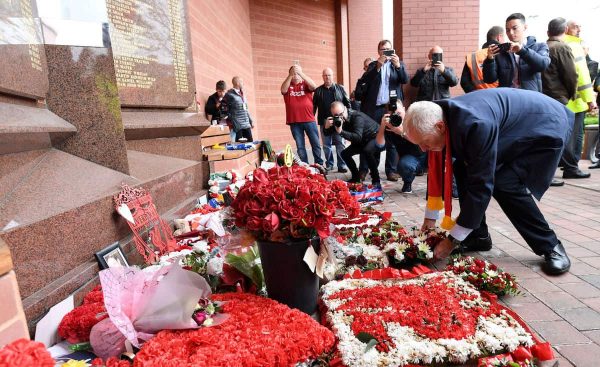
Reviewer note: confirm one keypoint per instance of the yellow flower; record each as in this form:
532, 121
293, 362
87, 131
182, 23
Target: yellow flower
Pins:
74, 363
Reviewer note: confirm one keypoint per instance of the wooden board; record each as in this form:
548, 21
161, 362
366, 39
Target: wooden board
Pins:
215, 130
6, 264
209, 141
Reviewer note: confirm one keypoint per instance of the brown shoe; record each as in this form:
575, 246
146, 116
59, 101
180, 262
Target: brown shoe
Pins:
393, 177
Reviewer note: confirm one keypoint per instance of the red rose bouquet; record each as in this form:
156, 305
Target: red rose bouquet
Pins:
483, 275
290, 202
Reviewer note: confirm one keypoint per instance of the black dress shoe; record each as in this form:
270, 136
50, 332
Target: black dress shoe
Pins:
474, 244
595, 165
556, 262
557, 182
342, 170
576, 174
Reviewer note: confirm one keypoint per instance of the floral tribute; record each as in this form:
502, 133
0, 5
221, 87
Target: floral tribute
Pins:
76, 326
415, 245
259, 332
25, 353
434, 318
483, 275
290, 202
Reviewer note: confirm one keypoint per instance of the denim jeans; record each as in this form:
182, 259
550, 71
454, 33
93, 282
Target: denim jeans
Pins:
578, 130
409, 165
329, 141
572, 151
310, 128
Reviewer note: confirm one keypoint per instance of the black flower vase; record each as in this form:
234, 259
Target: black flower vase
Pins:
288, 278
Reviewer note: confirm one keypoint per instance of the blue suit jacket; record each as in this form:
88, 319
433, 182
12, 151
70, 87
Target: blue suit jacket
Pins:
492, 128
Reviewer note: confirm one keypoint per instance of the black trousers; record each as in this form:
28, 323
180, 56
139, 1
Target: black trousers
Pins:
370, 152
519, 206
244, 133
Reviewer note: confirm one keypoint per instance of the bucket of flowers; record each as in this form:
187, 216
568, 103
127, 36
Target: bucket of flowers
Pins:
288, 210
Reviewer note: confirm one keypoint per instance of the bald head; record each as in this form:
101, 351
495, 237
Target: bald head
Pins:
237, 82
435, 50
573, 28
327, 77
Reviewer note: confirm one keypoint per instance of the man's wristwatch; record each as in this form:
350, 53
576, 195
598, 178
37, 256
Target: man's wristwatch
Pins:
455, 242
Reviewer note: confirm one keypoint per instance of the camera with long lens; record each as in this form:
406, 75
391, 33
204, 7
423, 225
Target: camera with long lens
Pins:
395, 120
337, 121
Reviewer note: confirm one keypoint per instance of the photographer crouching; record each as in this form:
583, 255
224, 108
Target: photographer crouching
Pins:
412, 160
364, 134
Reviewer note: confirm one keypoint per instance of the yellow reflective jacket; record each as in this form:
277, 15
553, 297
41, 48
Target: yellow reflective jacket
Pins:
585, 91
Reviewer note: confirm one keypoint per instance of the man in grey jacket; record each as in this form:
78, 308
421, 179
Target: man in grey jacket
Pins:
235, 106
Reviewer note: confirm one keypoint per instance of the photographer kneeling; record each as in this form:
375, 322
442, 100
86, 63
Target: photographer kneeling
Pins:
364, 134
412, 160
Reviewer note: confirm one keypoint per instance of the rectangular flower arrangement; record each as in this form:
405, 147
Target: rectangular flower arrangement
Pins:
434, 318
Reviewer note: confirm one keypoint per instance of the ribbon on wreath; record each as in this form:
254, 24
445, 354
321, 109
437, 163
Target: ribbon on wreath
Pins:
389, 273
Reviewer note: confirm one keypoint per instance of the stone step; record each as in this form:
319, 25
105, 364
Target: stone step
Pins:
56, 211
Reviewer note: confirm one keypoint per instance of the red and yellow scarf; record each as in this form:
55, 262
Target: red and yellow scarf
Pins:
439, 183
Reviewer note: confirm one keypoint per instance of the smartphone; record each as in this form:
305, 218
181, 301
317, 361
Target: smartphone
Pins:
504, 47
389, 52
436, 58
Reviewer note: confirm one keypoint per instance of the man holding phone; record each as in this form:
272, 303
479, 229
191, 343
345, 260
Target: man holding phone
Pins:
384, 75
434, 79
518, 63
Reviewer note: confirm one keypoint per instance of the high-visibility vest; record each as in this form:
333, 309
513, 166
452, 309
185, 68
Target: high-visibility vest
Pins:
585, 90
475, 64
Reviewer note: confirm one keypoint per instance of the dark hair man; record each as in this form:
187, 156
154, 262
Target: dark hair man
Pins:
365, 136
235, 106
323, 97
297, 90
212, 109
383, 76
472, 74
521, 65
506, 144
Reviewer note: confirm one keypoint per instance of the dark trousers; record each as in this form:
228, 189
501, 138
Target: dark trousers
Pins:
572, 151
370, 152
518, 205
244, 133
391, 155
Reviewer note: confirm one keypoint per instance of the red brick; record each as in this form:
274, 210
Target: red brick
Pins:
582, 355
558, 332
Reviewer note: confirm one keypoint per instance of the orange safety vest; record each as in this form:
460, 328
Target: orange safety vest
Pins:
475, 64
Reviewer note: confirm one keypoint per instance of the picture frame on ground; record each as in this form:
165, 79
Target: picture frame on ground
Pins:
111, 257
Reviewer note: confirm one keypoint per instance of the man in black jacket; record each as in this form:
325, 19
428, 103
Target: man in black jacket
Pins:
522, 64
434, 80
365, 136
323, 97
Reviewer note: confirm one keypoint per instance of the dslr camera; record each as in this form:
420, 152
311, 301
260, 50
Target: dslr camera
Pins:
337, 121
395, 120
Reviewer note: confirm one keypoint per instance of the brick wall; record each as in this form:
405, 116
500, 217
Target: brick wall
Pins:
365, 30
221, 46
283, 31
12, 319
421, 24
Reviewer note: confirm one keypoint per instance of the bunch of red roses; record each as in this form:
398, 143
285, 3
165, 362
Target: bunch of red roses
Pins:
483, 275
290, 202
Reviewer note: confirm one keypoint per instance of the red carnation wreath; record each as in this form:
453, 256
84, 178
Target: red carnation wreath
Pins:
259, 332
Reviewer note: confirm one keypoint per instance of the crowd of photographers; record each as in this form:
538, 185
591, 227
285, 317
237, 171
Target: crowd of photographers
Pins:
369, 120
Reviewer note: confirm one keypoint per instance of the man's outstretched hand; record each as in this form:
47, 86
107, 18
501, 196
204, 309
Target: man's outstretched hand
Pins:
443, 249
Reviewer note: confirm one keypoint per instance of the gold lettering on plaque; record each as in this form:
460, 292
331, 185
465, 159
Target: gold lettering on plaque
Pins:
135, 53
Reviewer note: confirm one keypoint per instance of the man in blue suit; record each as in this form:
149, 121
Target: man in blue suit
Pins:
507, 144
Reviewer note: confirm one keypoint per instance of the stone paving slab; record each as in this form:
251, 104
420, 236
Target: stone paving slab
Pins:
565, 309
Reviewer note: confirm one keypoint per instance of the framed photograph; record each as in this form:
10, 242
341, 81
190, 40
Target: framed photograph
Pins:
111, 257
